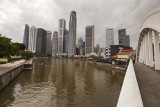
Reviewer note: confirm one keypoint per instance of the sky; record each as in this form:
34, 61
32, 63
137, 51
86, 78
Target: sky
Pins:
116, 14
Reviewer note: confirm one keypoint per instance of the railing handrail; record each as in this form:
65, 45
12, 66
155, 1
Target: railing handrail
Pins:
130, 95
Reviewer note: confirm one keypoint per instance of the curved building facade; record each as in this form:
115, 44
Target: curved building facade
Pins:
32, 39
148, 49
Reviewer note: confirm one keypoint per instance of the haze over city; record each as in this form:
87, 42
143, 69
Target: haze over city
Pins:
103, 14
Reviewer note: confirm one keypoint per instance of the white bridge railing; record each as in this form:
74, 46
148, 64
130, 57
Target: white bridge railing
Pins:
130, 95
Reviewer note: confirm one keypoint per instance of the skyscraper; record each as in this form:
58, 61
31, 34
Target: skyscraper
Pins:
62, 27
32, 39
109, 37
48, 43
97, 48
80, 42
41, 42
109, 40
65, 44
89, 45
123, 38
72, 34
81, 46
26, 36
55, 44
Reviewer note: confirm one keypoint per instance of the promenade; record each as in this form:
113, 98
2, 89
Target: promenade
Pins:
149, 84
6, 67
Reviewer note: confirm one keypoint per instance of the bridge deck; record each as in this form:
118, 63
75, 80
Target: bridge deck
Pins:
149, 84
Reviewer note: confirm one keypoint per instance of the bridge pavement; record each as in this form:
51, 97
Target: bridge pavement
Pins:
149, 84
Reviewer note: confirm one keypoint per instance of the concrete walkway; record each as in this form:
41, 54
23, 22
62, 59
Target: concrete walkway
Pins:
6, 67
149, 84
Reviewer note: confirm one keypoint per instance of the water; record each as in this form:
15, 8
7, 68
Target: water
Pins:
64, 83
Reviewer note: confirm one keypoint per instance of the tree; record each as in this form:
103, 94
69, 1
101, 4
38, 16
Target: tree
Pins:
6, 47
27, 54
21, 46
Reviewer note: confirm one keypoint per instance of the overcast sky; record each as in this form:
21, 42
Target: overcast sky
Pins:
117, 14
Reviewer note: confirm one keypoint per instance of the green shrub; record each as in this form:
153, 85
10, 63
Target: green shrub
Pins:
3, 62
27, 55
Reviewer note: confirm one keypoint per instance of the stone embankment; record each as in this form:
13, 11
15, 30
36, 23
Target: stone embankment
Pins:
9, 71
112, 66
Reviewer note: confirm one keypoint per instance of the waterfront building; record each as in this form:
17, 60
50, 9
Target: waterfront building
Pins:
109, 39
32, 39
41, 42
61, 29
48, 43
65, 44
123, 38
89, 45
72, 34
54, 44
124, 55
26, 36
115, 49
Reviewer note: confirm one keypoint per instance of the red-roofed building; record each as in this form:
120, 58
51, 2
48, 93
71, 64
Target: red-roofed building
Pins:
125, 54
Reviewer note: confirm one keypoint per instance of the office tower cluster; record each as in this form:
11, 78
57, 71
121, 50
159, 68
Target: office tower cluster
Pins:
37, 40
61, 44
124, 42
63, 41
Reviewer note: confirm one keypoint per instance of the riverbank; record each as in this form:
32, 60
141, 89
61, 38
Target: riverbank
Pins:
108, 65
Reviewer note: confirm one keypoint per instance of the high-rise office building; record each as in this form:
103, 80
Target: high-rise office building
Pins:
48, 43
72, 34
32, 39
97, 48
89, 45
55, 44
65, 44
62, 27
80, 42
41, 42
123, 38
81, 46
26, 36
109, 40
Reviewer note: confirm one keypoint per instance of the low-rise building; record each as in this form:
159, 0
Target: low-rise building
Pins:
115, 49
126, 54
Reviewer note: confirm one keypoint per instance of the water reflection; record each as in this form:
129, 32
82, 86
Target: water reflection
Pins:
64, 82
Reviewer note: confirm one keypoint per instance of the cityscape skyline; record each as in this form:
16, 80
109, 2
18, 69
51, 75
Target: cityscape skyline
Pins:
15, 17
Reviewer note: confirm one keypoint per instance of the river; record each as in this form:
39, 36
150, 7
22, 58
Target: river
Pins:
63, 83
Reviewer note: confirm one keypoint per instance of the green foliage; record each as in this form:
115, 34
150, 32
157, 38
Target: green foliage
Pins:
21, 46
119, 62
6, 47
128, 61
3, 62
27, 55
95, 57
99, 56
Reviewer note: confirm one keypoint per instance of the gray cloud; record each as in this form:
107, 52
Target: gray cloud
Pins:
117, 14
